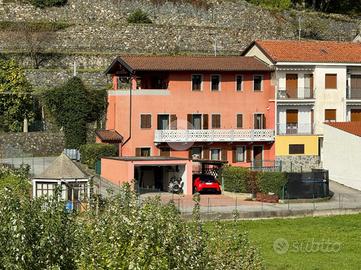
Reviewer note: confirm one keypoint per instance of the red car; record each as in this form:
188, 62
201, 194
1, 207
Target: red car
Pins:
205, 183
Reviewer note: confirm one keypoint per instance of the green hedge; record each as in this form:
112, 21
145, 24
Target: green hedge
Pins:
90, 153
271, 182
236, 179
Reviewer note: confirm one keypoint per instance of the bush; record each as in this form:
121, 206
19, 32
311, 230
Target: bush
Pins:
48, 3
236, 179
271, 182
90, 153
139, 16
16, 181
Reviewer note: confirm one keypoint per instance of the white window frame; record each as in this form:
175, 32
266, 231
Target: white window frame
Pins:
242, 120
201, 119
151, 122
219, 85
219, 153
244, 153
262, 82
220, 120
253, 127
242, 84
202, 82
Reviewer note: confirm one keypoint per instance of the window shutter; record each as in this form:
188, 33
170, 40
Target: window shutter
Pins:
189, 121
263, 121
137, 152
205, 153
330, 115
249, 153
224, 152
234, 154
173, 121
205, 121
255, 124
216, 121
331, 81
239, 121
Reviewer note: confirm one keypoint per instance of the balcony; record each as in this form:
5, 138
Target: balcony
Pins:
214, 135
295, 129
304, 93
139, 92
353, 93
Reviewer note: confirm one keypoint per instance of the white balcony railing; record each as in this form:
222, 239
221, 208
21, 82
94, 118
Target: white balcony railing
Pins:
214, 135
300, 93
139, 92
295, 129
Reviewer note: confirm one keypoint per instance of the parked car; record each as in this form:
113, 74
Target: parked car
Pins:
205, 183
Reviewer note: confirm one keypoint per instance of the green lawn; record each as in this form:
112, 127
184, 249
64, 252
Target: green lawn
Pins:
342, 232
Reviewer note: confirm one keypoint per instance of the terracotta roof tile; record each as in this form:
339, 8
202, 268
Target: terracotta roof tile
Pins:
109, 135
311, 51
190, 63
350, 127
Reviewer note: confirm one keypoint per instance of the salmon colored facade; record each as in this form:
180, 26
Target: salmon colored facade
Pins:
212, 114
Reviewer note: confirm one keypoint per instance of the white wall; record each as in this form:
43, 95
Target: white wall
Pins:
329, 98
304, 117
342, 156
255, 51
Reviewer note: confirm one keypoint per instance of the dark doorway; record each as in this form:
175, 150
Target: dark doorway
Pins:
257, 155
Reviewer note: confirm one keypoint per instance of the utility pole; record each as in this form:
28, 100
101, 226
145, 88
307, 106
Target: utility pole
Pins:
299, 28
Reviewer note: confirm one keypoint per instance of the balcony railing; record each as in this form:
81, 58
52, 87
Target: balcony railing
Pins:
295, 129
300, 93
353, 93
214, 135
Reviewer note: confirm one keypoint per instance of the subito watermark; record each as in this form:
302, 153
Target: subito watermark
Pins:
282, 246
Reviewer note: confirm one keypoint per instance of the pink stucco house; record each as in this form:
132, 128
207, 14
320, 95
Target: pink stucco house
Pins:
166, 113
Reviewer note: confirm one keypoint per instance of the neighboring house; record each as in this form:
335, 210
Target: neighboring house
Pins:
168, 110
316, 82
64, 174
342, 152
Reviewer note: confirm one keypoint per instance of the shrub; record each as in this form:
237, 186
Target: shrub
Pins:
236, 179
15, 180
138, 16
90, 153
271, 182
48, 3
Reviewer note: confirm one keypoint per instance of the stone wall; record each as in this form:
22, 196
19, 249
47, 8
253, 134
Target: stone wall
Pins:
299, 163
14, 145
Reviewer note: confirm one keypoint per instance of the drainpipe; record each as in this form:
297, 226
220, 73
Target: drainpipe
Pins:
130, 114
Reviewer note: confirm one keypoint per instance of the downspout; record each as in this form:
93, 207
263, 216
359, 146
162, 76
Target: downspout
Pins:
130, 114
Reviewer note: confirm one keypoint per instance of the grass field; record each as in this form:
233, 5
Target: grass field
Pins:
306, 243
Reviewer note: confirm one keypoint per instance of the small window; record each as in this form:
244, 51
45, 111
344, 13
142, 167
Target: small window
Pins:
257, 82
330, 115
215, 82
239, 82
215, 154
196, 152
259, 121
45, 189
164, 152
240, 153
296, 149
331, 81
216, 121
196, 82
142, 152
163, 121
239, 120
145, 121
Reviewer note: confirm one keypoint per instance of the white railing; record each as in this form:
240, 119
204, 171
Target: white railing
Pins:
213, 135
139, 92
301, 93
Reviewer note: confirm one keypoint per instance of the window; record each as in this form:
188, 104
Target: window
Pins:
145, 121
296, 149
197, 121
216, 121
165, 152
240, 154
196, 82
215, 154
163, 121
257, 82
330, 115
142, 152
239, 120
259, 121
215, 82
45, 189
196, 152
330, 81
239, 82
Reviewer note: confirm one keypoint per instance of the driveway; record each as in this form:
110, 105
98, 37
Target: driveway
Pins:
344, 199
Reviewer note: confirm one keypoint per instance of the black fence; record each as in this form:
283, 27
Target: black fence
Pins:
307, 185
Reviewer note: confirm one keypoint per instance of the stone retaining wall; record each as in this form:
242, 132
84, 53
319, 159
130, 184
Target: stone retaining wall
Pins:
299, 163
